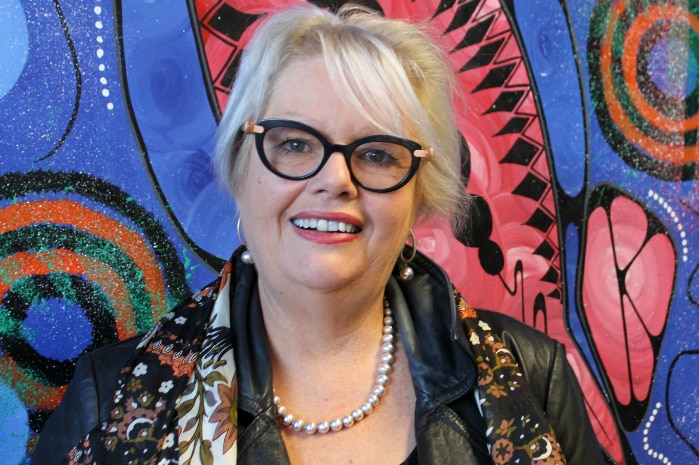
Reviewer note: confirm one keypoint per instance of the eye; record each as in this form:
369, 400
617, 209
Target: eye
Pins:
282, 141
292, 146
382, 155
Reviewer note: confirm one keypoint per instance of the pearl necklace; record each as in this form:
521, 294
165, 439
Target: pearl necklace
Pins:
372, 400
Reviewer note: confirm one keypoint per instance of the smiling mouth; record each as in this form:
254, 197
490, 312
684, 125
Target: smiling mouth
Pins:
326, 225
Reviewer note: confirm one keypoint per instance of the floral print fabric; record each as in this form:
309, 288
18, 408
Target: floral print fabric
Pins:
177, 398
517, 430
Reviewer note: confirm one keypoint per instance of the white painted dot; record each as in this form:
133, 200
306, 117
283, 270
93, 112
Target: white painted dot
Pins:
100, 53
103, 80
99, 25
101, 67
105, 92
100, 39
110, 106
98, 10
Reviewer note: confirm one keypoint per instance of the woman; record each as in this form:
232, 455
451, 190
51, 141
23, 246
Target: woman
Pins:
326, 340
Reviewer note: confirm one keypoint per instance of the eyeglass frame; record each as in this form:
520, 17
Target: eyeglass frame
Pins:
258, 130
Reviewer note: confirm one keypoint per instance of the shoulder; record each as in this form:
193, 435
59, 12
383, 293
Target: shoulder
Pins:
514, 329
539, 356
86, 401
99, 371
544, 364
108, 359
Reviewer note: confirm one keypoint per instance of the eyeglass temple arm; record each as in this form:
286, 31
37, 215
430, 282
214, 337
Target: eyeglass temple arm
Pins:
249, 127
427, 153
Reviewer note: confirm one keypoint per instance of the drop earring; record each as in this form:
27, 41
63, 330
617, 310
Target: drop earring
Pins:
406, 272
246, 256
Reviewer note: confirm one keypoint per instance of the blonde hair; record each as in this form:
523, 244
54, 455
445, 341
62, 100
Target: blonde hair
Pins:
391, 71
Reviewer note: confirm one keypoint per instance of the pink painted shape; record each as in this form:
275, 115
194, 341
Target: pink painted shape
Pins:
623, 319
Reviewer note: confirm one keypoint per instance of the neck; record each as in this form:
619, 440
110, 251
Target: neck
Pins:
325, 350
307, 324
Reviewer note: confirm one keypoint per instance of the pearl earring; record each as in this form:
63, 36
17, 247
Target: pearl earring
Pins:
246, 256
406, 272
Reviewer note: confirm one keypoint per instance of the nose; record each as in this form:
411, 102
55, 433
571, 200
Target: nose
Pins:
335, 177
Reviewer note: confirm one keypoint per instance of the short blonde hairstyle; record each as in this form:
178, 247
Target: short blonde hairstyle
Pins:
391, 71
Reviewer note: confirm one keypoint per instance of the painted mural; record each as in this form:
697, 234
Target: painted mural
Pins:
581, 128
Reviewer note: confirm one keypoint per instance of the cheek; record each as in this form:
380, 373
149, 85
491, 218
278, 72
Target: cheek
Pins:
409, 205
397, 217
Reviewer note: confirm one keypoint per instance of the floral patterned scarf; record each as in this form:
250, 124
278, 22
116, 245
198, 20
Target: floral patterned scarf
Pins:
177, 398
516, 427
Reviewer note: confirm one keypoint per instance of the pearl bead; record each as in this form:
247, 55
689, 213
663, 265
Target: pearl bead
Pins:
382, 379
309, 428
297, 425
336, 424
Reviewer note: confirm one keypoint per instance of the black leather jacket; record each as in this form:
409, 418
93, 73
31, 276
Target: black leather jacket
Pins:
448, 426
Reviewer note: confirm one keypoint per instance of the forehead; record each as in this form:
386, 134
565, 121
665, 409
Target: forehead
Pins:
304, 91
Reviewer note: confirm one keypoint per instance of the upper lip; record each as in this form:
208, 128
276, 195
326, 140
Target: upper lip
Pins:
329, 221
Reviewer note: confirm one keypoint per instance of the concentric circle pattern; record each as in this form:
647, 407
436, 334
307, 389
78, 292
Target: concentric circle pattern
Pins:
643, 59
83, 265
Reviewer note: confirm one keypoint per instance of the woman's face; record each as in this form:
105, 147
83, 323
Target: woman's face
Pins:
273, 210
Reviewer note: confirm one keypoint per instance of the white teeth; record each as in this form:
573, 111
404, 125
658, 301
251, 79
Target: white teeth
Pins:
325, 225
